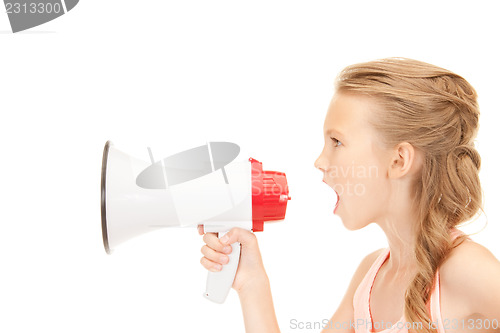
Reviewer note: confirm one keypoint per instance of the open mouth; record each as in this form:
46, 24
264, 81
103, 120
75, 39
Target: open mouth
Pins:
338, 198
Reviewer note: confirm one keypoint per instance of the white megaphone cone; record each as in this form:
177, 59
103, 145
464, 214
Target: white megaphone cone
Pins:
128, 210
204, 185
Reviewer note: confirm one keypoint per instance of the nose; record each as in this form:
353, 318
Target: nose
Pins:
318, 164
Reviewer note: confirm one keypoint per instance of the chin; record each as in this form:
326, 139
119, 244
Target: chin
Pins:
353, 228
352, 225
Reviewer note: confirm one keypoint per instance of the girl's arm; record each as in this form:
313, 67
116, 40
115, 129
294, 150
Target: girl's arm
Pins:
251, 281
257, 306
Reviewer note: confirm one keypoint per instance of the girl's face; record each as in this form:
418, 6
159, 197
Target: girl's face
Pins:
353, 161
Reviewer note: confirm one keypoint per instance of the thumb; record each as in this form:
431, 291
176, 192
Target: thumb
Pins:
245, 237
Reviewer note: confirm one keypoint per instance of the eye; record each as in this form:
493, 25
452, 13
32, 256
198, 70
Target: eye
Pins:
336, 142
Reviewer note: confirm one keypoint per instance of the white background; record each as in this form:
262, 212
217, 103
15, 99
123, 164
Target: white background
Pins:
172, 75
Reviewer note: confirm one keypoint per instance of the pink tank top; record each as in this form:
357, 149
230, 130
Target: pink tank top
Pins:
363, 322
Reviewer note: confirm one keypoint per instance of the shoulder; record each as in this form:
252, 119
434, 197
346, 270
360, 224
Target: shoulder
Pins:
361, 271
370, 258
471, 272
344, 312
470, 262
365, 265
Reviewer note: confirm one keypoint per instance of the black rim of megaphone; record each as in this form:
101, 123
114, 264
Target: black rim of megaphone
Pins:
103, 197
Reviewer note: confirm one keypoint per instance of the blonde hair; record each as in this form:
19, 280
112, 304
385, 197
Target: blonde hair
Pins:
436, 111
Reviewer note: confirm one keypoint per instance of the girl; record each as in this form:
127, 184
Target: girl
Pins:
410, 126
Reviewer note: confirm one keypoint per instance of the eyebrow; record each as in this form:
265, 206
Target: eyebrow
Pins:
333, 130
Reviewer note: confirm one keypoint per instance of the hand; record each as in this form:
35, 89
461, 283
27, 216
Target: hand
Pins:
250, 269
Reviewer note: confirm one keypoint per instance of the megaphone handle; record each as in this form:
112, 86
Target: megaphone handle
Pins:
219, 283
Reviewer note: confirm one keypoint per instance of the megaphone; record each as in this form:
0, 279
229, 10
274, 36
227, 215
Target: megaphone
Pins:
208, 185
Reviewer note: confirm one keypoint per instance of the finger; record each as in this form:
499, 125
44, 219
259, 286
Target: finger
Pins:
201, 230
245, 237
214, 256
213, 242
210, 265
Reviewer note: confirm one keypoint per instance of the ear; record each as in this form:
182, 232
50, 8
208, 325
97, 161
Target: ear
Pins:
404, 160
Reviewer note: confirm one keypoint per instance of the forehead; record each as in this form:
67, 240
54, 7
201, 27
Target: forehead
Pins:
348, 113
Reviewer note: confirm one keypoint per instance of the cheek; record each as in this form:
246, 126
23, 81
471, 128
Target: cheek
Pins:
365, 184
363, 200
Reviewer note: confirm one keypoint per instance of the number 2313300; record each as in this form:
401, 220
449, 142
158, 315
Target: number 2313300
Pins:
471, 324
33, 8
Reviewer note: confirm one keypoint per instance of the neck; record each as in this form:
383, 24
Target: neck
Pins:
399, 223
401, 239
